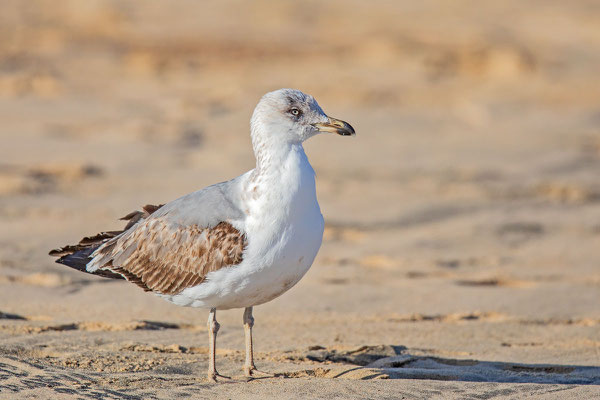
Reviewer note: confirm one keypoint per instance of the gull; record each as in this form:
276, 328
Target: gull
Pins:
235, 244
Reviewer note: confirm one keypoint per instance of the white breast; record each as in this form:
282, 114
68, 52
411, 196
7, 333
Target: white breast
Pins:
284, 227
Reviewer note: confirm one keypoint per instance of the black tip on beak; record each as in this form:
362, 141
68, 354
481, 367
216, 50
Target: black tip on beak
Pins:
345, 129
340, 127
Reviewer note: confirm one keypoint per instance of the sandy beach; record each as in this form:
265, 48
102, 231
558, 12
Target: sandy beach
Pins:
462, 240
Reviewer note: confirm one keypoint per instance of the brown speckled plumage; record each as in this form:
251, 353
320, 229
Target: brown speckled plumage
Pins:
165, 259
159, 256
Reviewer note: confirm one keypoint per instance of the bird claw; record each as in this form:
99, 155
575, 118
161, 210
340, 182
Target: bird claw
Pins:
253, 373
212, 376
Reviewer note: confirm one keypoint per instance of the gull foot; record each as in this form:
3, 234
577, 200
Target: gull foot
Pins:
253, 373
212, 376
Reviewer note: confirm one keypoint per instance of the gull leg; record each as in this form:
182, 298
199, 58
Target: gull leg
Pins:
249, 368
248, 324
213, 328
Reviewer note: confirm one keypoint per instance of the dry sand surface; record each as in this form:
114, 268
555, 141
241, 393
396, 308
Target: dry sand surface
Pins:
462, 240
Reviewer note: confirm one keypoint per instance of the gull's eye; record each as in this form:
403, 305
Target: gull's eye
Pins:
295, 112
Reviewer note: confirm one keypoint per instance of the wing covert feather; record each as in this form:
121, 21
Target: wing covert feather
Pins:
167, 258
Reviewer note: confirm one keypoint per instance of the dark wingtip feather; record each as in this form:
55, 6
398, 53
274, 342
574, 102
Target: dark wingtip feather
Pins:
78, 256
79, 260
57, 252
99, 238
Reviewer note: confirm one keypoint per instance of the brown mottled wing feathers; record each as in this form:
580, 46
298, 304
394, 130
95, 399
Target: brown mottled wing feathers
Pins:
167, 258
156, 255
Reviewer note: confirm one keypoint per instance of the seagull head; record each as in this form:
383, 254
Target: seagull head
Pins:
293, 116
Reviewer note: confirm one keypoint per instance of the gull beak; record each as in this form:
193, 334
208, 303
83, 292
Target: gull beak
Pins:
336, 126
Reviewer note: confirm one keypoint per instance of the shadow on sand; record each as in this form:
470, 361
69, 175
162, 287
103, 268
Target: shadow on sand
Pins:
395, 362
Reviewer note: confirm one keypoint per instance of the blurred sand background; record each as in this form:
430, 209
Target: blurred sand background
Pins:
462, 237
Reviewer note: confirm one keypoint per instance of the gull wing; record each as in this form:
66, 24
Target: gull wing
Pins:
166, 249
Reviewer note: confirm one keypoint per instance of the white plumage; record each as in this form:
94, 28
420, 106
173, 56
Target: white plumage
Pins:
284, 226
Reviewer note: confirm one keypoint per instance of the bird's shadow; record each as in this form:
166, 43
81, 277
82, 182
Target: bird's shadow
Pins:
396, 362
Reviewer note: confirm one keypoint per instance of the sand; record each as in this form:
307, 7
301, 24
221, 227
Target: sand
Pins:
462, 240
